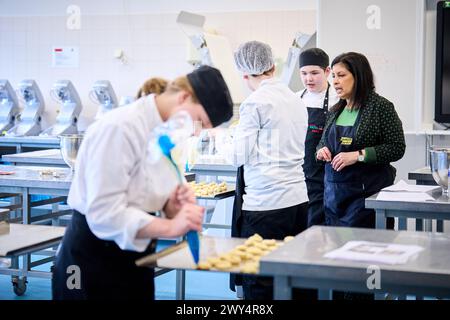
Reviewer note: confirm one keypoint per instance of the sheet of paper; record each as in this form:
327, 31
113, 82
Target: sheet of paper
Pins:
402, 186
376, 252
404, 196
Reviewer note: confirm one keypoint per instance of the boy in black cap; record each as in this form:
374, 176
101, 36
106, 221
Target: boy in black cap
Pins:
318, 97
114, 188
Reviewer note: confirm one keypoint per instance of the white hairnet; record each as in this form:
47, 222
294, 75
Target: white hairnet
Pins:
253, 58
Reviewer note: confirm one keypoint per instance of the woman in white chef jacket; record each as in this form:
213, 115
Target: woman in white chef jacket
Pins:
114, 190
269, 143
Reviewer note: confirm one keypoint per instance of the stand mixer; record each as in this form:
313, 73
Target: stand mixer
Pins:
9, 106
103, 94
65, 93
30, 118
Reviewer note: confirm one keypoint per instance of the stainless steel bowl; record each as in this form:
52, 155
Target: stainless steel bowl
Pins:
70, 144
439, 165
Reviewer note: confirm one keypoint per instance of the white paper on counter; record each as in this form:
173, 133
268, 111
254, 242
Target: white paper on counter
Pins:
376, 252
404, 196
402, 186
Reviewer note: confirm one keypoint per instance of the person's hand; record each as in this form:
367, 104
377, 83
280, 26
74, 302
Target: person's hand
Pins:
181, 195
344, 159
190, 217
324, 154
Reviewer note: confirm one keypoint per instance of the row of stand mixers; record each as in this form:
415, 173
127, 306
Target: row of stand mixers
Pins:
18, 122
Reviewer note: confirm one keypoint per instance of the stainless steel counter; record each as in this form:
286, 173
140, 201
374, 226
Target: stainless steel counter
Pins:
300, 263
437, 209
22, 239
48, 157
214, 169
422, 176
30, 142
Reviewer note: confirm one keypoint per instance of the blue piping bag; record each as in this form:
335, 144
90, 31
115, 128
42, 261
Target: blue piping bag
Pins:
192, 237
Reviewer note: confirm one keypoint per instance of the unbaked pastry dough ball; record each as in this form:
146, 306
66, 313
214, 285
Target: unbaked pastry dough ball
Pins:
204, 265
223, 265
250, 267
288, 238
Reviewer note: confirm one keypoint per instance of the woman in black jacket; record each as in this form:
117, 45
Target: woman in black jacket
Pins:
363, 134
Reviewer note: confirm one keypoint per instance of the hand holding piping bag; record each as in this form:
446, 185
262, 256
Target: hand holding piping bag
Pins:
193, 240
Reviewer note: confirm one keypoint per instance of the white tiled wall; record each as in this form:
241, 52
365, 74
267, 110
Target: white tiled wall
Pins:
153, 44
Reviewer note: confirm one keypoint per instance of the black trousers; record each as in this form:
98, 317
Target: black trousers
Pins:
316, 214
105, 270
272, 224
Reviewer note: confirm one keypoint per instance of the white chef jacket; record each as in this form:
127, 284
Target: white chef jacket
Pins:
270, 142
114, 185
315, 99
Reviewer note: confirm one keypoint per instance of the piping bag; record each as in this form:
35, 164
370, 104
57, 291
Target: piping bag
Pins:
192, 237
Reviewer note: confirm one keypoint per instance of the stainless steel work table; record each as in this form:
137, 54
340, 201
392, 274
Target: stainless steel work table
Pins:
27, 181
214, 169
29, 142
422, 176
300, 263
48, 157
438, 209
22, 240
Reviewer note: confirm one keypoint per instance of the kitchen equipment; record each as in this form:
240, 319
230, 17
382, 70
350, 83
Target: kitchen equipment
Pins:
29, 122
9, 106
439, 165
70, 144
103, 94
65, 93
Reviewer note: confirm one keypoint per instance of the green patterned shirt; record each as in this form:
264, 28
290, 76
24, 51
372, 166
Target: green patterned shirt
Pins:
380, 131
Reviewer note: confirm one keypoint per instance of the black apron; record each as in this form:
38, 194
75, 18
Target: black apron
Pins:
313, 169
270, 224
236, 220
346, 190
106, 271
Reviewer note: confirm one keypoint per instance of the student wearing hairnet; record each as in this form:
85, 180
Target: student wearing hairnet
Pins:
114, 190
318, 97
268, 143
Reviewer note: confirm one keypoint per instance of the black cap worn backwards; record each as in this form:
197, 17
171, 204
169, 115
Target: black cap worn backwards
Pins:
212, 92
314, 57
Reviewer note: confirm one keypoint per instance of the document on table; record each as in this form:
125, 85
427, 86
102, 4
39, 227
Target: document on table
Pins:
376, 252
402, 186
401, 191
404, 196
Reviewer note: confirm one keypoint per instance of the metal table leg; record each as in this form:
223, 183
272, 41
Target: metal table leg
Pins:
180, 293
55, 208
439, 226
428, 225
380, 222
419, 225
402, 225
325, 294
281, 288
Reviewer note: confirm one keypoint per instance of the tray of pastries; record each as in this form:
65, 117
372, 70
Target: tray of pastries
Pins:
212, 190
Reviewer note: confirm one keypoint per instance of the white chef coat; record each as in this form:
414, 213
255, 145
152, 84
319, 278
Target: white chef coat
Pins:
114, 185
270, 142
315, 99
